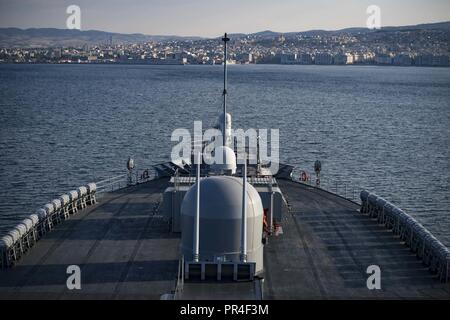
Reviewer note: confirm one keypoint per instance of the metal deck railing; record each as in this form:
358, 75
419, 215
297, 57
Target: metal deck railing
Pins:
136, 176
112, 184
343, 188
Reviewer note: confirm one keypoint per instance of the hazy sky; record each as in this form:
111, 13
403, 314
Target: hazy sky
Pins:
212, 18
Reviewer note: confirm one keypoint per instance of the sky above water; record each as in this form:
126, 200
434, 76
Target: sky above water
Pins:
210, 18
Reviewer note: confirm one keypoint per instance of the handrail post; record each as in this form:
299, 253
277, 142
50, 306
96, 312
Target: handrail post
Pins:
244, 215
197, 214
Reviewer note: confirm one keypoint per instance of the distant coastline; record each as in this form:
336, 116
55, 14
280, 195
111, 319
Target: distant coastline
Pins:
238, 64
419, 45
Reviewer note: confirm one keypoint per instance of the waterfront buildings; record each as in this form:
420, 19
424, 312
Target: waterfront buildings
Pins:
343, 58
406, 48
323, 58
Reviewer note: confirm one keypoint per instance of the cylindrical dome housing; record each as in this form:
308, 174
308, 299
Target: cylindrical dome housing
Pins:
34, 218
56, 204
73, 195
221, 221
28, 223
6, 241
21, 228
15, 235
225, 161
82, 191
41, 213
91, 187
65, 199
49, 208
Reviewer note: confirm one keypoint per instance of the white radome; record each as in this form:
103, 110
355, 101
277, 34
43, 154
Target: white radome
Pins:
226, 160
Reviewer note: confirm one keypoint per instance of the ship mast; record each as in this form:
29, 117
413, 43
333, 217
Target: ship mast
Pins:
225, 39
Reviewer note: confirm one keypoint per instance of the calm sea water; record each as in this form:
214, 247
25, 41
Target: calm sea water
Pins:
384, 128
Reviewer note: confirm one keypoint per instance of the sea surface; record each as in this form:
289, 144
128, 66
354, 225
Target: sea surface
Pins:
383, 128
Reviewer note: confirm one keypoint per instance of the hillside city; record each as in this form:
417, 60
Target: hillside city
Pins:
403, 48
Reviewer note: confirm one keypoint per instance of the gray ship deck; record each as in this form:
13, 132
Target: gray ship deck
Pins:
327, 246
125, 251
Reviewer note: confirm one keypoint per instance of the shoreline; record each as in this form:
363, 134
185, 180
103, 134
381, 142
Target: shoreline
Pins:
220, 65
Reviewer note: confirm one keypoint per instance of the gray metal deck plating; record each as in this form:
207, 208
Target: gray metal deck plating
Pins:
125, 251
327, 246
